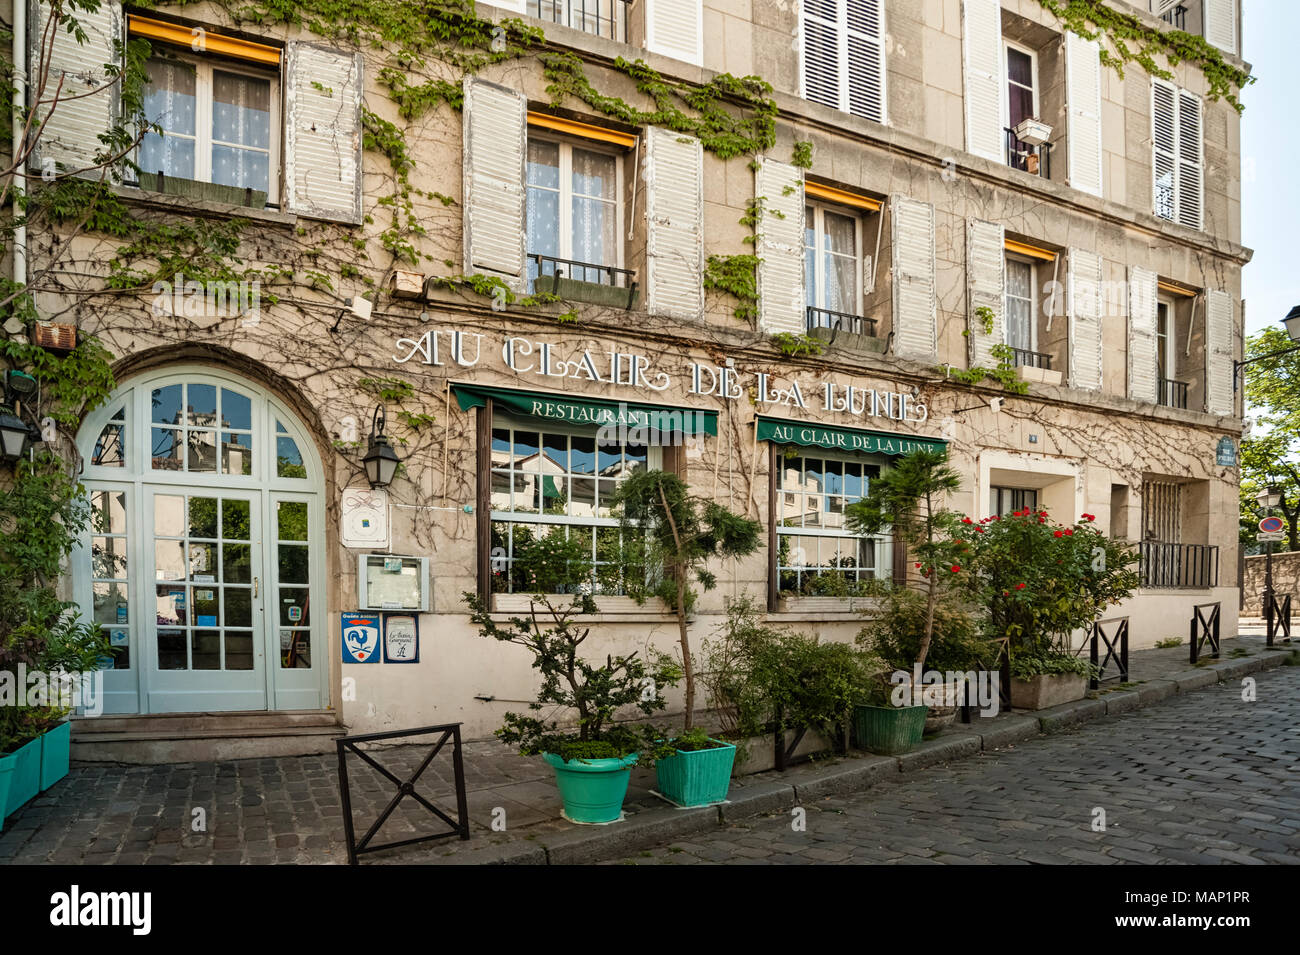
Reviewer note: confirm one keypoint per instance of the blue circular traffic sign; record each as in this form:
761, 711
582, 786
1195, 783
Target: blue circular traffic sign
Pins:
1270, 525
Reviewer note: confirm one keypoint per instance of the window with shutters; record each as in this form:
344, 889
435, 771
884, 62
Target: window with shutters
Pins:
844, 55
216, 117
573, 212
1022, 312
834, 269
816, 554
1177, 162
1020, 103
1172, 392
607, 18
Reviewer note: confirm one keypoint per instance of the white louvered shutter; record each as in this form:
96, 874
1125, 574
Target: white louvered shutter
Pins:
495, 146
981, 32
844, 56
674, 190
1085, 319
675, 28
322, 142
912, 232
1221, 24
1191, 183
1083, 99
780, 247
1218, 353
1164, 149
985, 287
70, 134
1143, 368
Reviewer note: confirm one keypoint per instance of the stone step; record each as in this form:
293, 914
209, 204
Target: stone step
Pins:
202, 737
163, 725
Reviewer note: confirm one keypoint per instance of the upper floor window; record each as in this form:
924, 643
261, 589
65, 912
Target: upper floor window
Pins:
1022, 97
217, 122
1177, 162
1022, 327
832, 266
607, 18
844, 55
573, 212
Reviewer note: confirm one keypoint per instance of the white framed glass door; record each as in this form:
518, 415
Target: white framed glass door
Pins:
205, 637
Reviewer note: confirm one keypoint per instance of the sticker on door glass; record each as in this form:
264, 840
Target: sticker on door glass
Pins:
118, 638
294, 613
360, 638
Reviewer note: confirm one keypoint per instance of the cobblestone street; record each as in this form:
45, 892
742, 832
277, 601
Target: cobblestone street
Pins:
1204, 778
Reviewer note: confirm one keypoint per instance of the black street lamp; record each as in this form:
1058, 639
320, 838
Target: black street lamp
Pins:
381, 460
1292, 325
13, 435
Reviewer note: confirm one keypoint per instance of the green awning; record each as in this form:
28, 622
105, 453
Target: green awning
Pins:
842, 439
590, 411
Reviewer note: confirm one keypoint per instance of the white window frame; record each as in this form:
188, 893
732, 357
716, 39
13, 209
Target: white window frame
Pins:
204, 65
819, 210
997, 490
1033, 301
1006, 79
841, 27
1177, 153
1165, 342
565, 225
883, 541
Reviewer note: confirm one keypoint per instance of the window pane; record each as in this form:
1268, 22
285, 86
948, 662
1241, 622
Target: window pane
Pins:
288, 459
842, 284
242, 168
201, 405
202, 452
543, 164
110, 446
295, 649
236, 564
108, 557
234, 519
166, 405
594, 174
203, 517
1020, 102
292, 518
236, 453
239, 651
1020, 67
241, 109
236, 410
169, 96
594, 230
108, 512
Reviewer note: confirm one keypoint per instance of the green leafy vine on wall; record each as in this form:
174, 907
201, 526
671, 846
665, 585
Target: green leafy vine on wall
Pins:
1004, 372
1133, 41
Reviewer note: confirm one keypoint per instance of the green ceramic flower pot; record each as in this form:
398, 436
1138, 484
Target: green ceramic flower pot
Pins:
697, 777
888, 730
593, 789
56, 746
6, 774
25, 780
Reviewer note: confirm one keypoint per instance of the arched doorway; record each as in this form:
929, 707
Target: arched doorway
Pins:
203, 562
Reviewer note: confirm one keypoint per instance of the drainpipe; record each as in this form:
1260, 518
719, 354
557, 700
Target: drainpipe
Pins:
20, 101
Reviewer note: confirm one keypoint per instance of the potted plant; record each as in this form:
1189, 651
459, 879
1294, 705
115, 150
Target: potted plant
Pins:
592, 759
1033, 131
909, 496
674, 534
1041, 582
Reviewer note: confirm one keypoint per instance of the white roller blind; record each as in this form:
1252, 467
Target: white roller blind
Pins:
1085, 319
1219, 353
844, 56
495, 146
982, 61
985, 287
1083, 99
675, 28
69, 135
780, 247
912, 228
1221, 24
322, 143
1143, 368
674, 191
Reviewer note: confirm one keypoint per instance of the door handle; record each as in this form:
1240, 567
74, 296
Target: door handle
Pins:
254, 588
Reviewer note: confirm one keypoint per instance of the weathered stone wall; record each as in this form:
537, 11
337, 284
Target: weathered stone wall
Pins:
1286, 580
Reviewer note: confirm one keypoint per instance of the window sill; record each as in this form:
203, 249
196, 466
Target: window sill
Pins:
1041, 376
605, 606
826, 605
590, 293
849, 340
202, 207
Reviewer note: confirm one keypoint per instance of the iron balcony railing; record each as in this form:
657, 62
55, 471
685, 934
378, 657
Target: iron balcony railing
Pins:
1176, 17
607, 18
1172, 566
1173, 394
840, 321
1032, 359
1031, 159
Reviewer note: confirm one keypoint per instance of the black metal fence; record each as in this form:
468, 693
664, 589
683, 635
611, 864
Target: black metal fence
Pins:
1204, 628
1173, 393
1031, 159
1277, 616
1024, 358
405, 787
607, 18
839, 321
1172, 566
1116, 644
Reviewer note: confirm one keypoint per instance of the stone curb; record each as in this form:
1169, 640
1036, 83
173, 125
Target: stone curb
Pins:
842, 776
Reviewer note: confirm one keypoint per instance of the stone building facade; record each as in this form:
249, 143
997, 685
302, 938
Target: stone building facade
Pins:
944, 178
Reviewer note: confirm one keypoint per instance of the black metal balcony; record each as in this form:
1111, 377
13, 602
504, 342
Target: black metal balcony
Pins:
840, 321
1023, 357
1173, 394
1036, 160
1169, 566
1176, 17
607, 18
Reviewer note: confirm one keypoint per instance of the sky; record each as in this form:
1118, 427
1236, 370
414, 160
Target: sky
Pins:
1270, 161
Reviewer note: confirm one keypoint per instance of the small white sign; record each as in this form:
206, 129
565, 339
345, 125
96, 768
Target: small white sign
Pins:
363, 518
1275, 536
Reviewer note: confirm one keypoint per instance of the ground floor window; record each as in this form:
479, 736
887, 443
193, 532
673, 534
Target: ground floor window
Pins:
1004, 500
549, 479
816, 553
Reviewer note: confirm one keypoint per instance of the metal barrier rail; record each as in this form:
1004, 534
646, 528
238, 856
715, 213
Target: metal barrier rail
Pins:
1203, 629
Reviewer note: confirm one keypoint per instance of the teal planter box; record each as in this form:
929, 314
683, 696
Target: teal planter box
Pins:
6, 774
25, 780
56, 745
696, 777
592, 790
888, 730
